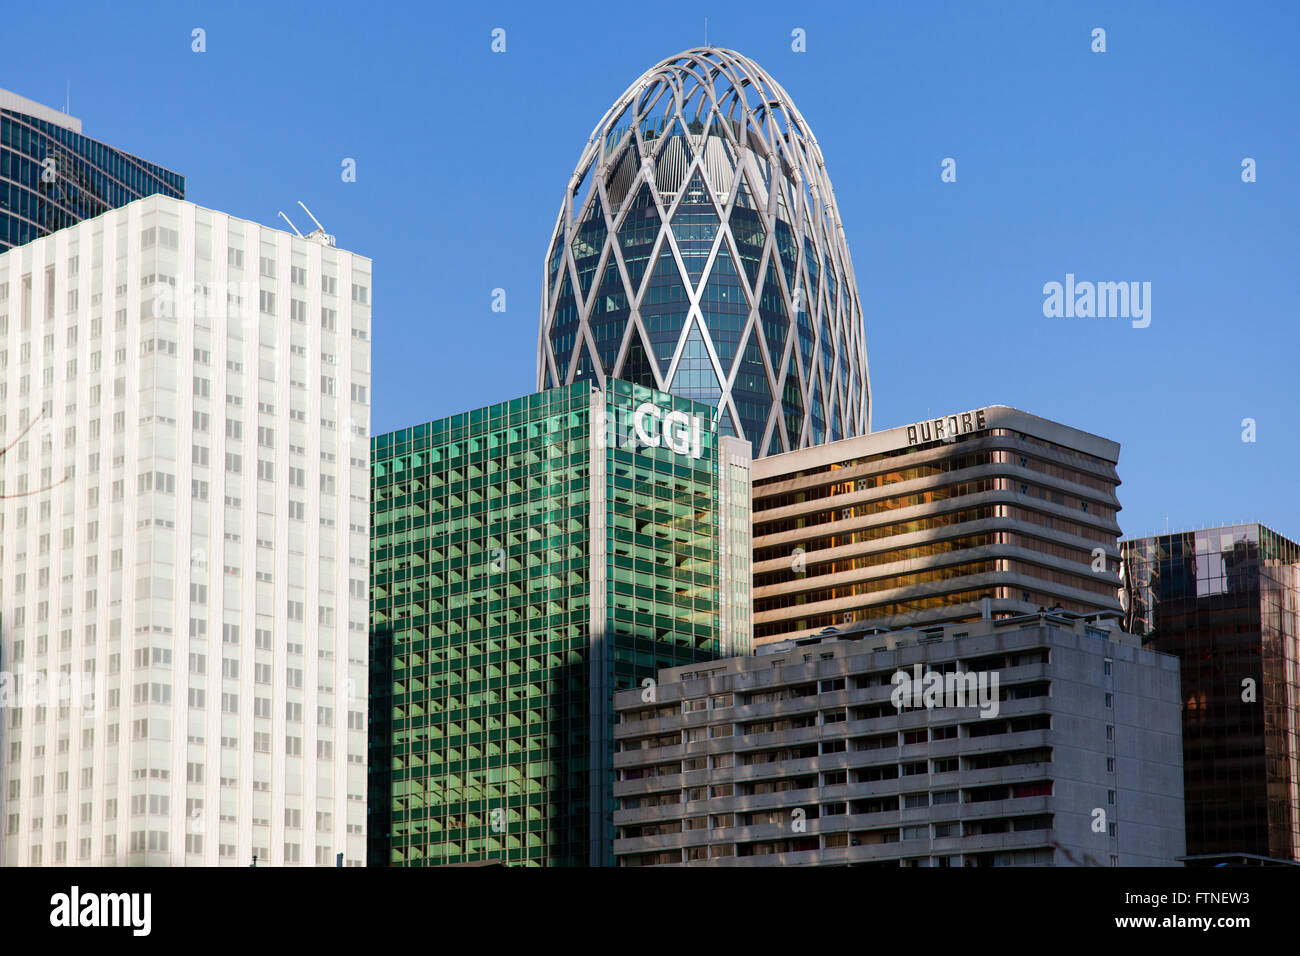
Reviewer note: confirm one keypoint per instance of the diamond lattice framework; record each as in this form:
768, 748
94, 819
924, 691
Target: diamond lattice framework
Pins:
699, 250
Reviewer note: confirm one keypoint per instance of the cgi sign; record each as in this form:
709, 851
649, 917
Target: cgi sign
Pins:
677, 431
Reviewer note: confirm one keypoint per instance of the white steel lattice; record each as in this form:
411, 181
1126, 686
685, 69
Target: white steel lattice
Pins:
699, 250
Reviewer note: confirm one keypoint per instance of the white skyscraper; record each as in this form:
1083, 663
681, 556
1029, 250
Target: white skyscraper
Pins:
184, 541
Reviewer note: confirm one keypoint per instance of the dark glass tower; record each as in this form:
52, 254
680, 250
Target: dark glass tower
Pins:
1226, 602
52, 176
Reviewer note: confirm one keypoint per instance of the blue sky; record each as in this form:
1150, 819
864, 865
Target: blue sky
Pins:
1115, 166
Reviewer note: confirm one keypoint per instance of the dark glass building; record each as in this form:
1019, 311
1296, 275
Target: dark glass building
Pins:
52, 176
1226, 602
528, 560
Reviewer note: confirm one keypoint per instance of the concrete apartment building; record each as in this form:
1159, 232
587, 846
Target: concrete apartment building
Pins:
800, 756
184, 543
989, 512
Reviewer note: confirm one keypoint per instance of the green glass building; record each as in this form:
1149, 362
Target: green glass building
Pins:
528, 560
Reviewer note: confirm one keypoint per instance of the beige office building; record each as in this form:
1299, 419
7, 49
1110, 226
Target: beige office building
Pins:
987, 513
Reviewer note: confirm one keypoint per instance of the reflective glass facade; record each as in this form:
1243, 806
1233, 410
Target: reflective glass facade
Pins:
699, 250
52, 176
1226, 601
529, 559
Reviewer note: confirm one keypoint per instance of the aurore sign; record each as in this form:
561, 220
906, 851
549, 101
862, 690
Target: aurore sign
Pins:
947, 428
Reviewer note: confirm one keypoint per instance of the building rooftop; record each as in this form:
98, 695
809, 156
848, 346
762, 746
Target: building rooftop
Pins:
1226, 526
157, 201
1096, 623
967, 422
21, 104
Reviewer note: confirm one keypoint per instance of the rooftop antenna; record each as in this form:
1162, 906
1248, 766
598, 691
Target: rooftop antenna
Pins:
291, 225
320, 235
67, 104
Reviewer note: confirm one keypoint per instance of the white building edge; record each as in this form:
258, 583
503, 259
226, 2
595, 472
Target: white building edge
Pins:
184, 498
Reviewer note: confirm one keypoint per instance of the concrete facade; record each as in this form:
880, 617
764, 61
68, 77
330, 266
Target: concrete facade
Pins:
800, 756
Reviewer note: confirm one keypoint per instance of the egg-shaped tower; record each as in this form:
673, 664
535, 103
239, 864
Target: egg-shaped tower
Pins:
699, 250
